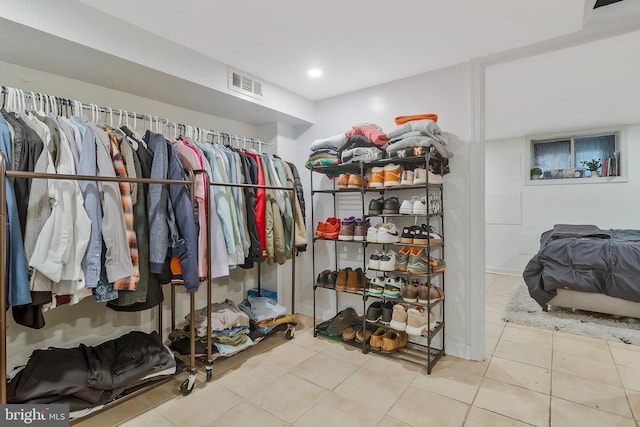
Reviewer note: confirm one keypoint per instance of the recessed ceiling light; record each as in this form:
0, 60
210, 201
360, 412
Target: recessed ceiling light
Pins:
314, 72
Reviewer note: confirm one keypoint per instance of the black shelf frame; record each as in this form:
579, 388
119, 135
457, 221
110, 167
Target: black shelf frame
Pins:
422, 355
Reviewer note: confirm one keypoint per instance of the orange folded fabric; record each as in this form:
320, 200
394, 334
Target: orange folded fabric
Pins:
404, 119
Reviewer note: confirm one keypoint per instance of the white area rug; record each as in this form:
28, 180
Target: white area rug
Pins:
524, 310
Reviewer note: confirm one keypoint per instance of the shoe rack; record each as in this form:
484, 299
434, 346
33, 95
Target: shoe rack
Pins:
426, 349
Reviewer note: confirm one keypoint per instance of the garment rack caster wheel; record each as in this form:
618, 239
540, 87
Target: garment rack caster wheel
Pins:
291, 332
187, 385
209, 370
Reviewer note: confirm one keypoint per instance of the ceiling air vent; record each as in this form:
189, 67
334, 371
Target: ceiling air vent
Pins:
245, 84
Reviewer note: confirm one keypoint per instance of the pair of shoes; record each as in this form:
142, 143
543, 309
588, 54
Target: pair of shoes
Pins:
388, 176
399, 317
388, 340
383, 233
393, 287
419, 321
360, 229
420, 235
357, 281
414, 206
421, 263
353, 228
376, 287
350, 280
349, 180
329, 229
327, 279
403, 257
342, 321
420, 176
379, 311
383, 261
356, 332
422, 293
384, 206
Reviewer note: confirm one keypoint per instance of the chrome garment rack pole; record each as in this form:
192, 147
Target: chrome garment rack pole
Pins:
4, 174
293, 233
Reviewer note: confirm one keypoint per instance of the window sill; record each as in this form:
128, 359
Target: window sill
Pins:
577, 181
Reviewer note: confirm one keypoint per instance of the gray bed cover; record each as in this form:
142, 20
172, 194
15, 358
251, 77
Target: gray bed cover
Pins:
586, 259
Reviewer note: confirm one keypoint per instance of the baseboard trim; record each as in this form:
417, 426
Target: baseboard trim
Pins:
507, 271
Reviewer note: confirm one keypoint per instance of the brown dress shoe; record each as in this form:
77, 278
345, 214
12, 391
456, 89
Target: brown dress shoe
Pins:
393, 340
341, 280
376, 339
355, 280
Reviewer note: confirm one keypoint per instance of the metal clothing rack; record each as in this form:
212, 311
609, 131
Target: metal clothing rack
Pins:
61, 105
188, 384
4, 173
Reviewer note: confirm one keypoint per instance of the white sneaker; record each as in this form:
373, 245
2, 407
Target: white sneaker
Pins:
407, 205
407, 178
388, 261
388, 233
420, 206
434, 179
419, 176
374, 260
372, 234
418, 322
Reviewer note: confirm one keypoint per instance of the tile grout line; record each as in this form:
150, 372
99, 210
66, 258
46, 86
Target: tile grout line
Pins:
626, 392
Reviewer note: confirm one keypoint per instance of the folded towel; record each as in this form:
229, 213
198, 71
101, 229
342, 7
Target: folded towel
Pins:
404, 119
335, 142
426, 127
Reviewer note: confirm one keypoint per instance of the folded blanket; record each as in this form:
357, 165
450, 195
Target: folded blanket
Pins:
561, 231
426, 127
418, 141
316, 155
336, 142
404, 119
321, 162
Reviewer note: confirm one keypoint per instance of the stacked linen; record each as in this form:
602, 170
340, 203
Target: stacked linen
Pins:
360, 143
418, 133
229, 330
265, 314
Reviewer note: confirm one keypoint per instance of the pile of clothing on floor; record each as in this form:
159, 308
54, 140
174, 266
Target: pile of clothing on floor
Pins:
367, 142
86, 378
233, 327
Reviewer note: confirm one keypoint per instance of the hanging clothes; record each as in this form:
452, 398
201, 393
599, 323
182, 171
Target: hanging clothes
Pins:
17, 283
183, 240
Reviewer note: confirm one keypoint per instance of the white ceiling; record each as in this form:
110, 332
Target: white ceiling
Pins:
357, 43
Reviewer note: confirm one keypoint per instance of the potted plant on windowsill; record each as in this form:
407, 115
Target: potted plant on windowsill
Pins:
535, 173
593, 165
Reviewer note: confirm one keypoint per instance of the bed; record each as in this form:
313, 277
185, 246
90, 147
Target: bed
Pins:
587, 268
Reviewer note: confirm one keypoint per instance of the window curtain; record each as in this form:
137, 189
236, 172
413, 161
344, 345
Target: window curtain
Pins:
594, 147
552, 155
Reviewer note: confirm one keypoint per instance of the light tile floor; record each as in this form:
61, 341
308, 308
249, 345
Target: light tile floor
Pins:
530, 377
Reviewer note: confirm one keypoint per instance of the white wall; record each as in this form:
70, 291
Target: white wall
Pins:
588, 86
92, 322
446, 92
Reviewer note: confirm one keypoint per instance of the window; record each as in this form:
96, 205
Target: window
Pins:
563, 157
